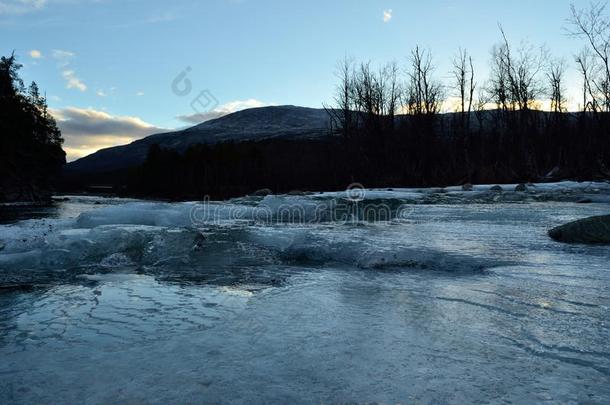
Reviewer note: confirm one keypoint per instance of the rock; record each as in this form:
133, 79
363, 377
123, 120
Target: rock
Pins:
467, 187
496, 188
521, 188
296, 192
2, 245
584, 201
593, 230
262, 192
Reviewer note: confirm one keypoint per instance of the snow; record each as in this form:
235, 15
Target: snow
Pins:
561, 191
456, 297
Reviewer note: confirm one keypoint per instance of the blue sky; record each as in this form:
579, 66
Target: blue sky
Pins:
107, 66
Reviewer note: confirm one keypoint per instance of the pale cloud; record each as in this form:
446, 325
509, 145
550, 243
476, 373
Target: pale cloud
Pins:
73, 82
101, 93
140, 93
63, 57
35, 54
62, 54
20, 6
387, 15
87, 130
222, 110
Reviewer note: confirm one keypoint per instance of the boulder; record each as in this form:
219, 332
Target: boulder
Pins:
496, 188
584, 201
521, 188
467, 187
262, 192
593, 230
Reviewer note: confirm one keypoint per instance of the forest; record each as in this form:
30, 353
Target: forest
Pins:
31, 156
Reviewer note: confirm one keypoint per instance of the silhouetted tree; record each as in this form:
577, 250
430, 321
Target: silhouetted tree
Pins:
342, 113
593, 26
424, 92
464, 85
392, 132
555, 74
30, 142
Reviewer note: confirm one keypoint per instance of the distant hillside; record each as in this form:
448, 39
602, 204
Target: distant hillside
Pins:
286, 122
255, 124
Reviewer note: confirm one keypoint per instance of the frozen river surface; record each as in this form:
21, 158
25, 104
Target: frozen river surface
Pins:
399, 296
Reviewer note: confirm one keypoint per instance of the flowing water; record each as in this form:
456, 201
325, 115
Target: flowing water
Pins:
395, 296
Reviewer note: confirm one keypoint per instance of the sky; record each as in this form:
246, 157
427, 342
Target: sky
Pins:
117, 70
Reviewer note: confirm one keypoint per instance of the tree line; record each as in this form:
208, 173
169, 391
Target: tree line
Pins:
387, 128
31, 156
497, 130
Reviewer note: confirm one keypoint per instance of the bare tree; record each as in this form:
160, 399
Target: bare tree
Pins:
342, 114
593, 26
555, 73
463, 76
368, 92
364, 99
515, 83
499, 81
392, 91
424, 93
585, 63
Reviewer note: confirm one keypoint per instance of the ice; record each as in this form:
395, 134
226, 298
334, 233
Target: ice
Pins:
457, 296
482, 193
151, 214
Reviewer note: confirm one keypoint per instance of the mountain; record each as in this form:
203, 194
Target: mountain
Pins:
287, 122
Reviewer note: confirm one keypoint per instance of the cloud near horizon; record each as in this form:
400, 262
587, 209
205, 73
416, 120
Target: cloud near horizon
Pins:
86, 130
222, 110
